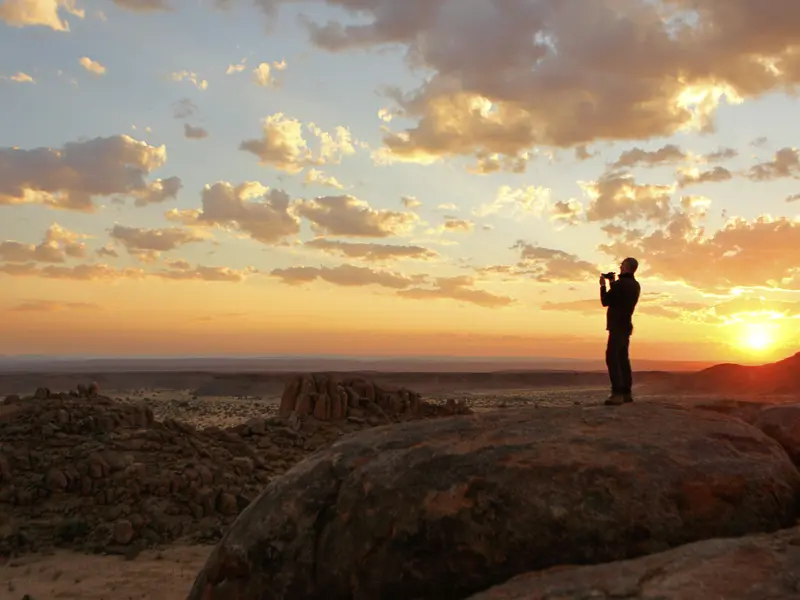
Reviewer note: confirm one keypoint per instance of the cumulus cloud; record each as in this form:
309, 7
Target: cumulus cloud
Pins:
94, 67
793, 198
509, 76
405, 286
527, 200
616, 195
349, 216
762, 252
250, 208
43, 13
191, 77
148, 244
183, 271
410, 202
453, 224
157, 191
59, 245
693, 176
317, 177
785, 163
345, 275
19, 77
567, 212
545, 265
194, 133
71, 177
371, 252
282, 144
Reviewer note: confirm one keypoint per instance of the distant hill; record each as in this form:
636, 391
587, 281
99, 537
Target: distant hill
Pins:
782, 377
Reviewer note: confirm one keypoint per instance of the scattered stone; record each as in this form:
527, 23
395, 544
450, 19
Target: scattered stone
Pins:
749, 568
446, 508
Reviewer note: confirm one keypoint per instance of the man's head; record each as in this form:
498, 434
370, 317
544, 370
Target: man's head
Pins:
629, 265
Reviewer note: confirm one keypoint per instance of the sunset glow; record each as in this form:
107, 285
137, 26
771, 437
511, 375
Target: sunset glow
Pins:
293, 176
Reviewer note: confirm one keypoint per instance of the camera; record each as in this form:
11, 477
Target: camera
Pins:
610, 276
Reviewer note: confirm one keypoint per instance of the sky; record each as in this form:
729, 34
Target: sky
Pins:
373, 177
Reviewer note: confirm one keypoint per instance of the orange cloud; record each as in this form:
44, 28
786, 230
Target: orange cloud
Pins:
72, 177
371, 252
59, 244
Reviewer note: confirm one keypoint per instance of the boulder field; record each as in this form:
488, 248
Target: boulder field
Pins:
498, 505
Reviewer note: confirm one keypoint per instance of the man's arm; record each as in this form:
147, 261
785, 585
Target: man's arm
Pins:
607, 297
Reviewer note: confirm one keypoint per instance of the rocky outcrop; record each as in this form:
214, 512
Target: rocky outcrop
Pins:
329, 397
83, 471
755, 567
445, 508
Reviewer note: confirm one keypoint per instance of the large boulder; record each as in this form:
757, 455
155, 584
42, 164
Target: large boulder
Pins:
782, 423
445, 508
757, 567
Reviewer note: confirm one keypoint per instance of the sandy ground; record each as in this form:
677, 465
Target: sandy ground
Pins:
153, 575
169, 573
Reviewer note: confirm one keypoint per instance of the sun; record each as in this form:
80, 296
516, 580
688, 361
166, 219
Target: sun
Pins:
757, 338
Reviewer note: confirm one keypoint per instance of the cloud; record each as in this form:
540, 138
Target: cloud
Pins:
191, 77
345, 275
144, 5
43, 13
761, 252
371, 252
488, 163
194, 133
668, 154
616, 195
283, 146
177, 271
459, 289
71, 177
410, 202
545, 265
182, 271
184, 108
148, 244
317, 177
19, 77
793, 198
157, 192
86, 272
458, 225
527, 200
453, 288
785, 163
693, 176
567, 212
349, 216
505, 77
58, 246
50, 306
250, 208
94, 67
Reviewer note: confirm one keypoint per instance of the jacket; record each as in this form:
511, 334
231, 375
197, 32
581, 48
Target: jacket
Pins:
621, 299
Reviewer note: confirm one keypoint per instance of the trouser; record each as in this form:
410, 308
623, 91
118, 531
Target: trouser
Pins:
618, 362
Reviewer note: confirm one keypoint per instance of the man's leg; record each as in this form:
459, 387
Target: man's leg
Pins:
625, 367
614, 369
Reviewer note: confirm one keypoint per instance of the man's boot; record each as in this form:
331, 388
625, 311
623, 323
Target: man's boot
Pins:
615, 399
627, 397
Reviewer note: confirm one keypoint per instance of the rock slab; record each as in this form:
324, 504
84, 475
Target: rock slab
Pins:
758, 567
444, 509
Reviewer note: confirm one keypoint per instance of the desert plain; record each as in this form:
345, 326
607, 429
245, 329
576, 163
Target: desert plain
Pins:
39, 561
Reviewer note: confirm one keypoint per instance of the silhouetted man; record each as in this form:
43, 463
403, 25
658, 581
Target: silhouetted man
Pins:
621, 301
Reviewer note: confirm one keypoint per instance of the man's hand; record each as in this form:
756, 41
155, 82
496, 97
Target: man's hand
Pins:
602, 281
